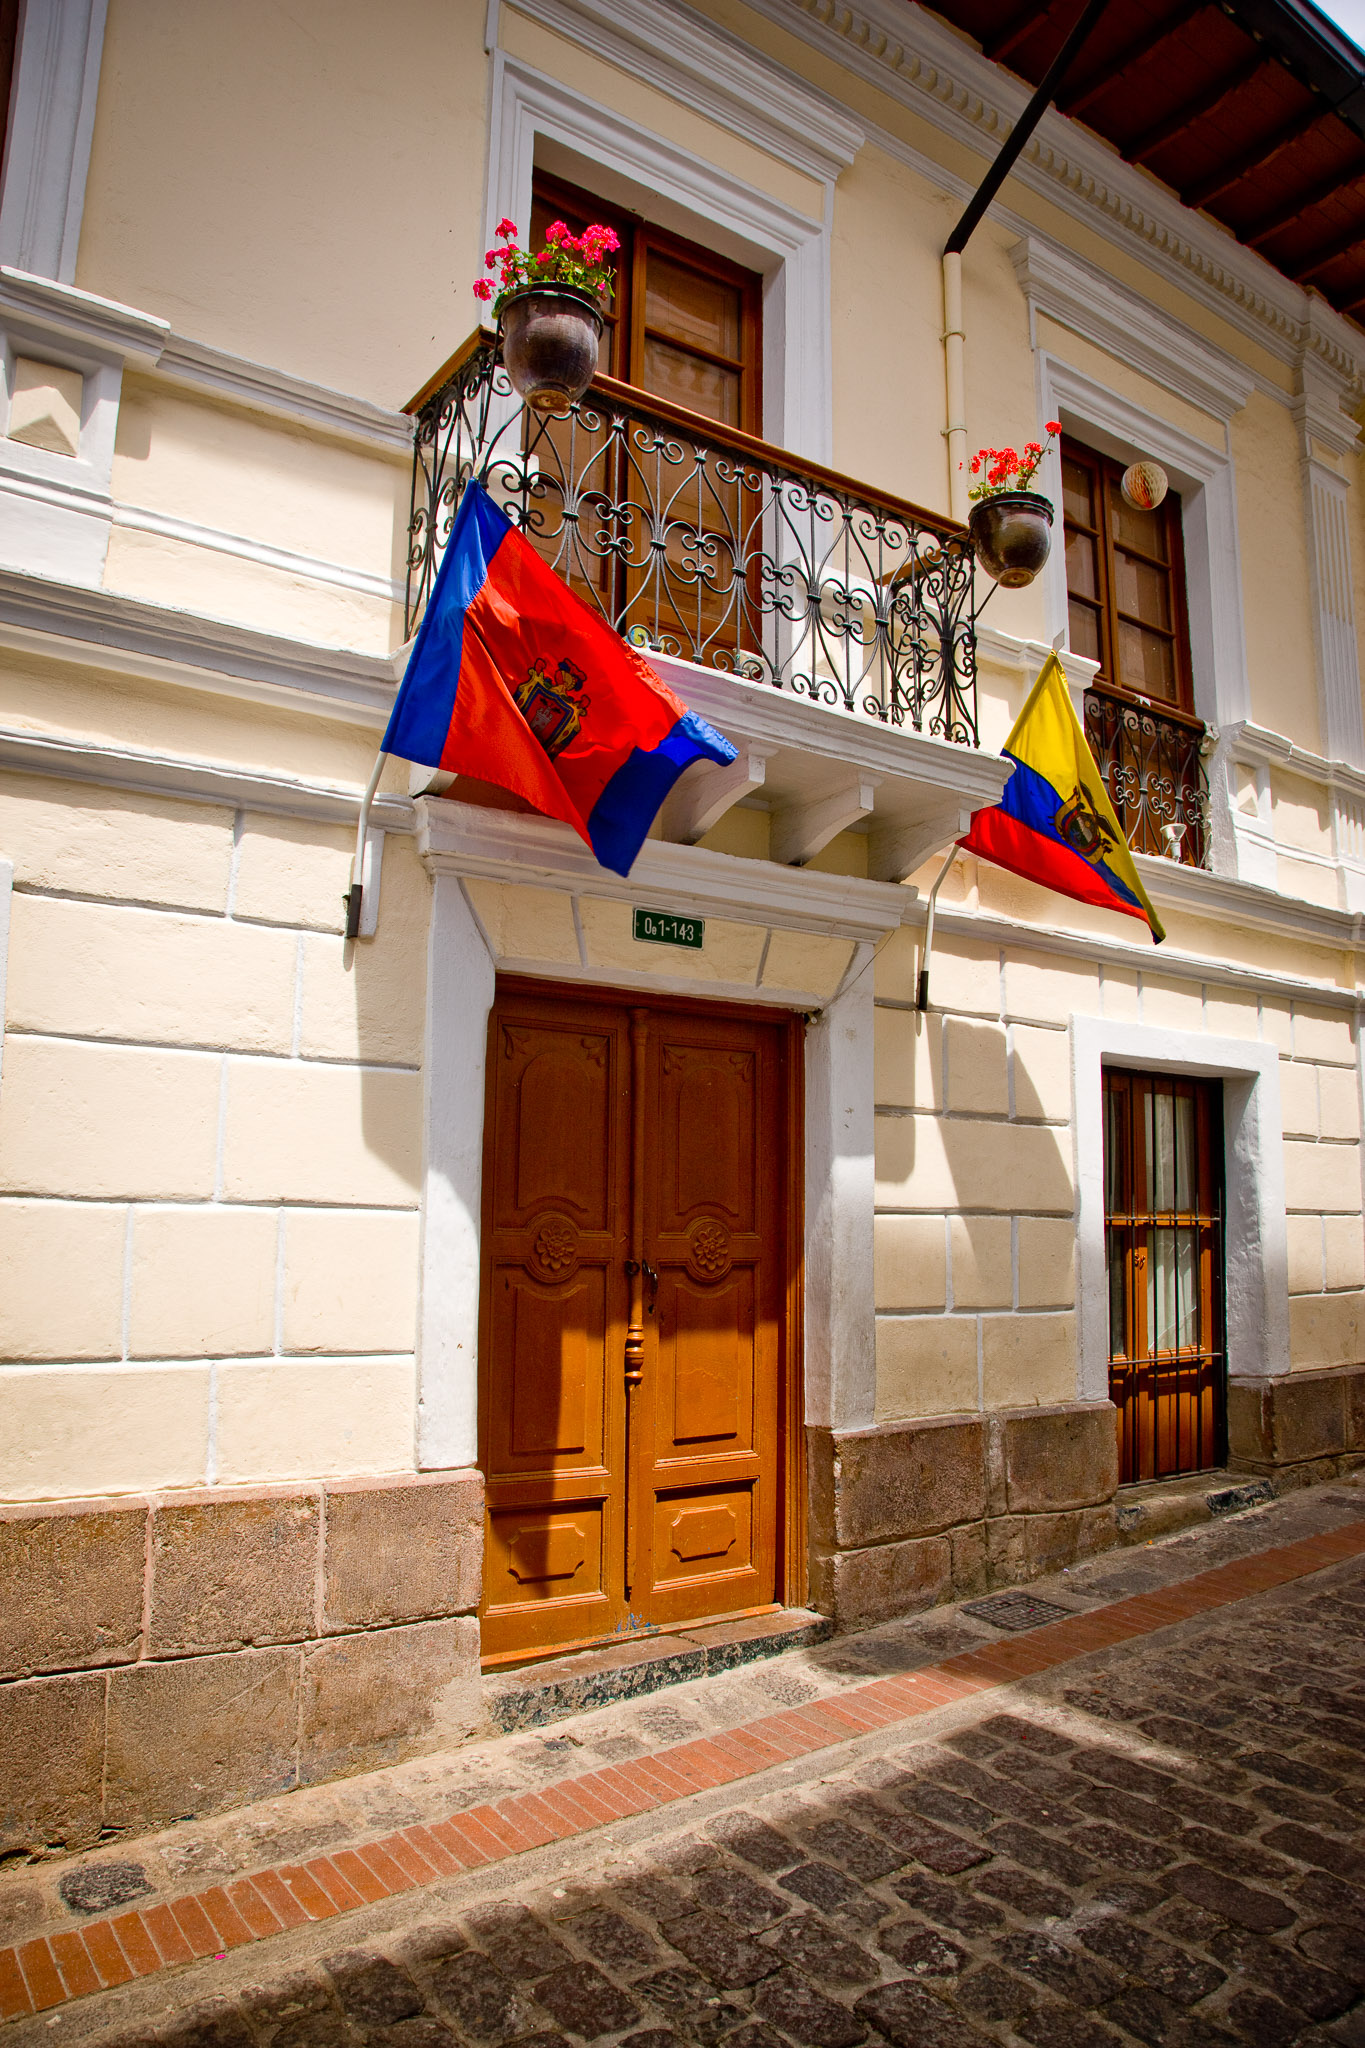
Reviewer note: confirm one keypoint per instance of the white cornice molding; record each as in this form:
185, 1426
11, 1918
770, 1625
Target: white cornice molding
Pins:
1256, 746
1144, 958
711, 72
188, 780
99, 629
1130, 329
509, 846
1227, 900
920, 62
81, 319
1320, 411
201, 368
240, 547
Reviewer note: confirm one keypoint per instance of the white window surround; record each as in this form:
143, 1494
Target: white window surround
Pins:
1205, 480
839, 1315
52, 119
791, 249
1256, 1271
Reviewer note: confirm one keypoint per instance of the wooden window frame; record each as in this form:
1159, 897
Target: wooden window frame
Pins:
1106, 472
639, 238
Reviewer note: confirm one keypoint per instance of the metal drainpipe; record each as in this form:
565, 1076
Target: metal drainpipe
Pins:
954, 334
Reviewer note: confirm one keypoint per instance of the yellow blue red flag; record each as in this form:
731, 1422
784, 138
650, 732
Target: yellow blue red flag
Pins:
1055, 823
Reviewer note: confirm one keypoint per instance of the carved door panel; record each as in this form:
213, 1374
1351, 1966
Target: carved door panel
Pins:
706, 1481
553, 1322
633, 1364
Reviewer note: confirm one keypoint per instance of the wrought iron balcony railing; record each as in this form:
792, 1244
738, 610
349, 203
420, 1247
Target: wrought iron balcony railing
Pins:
1153, 763
698, 541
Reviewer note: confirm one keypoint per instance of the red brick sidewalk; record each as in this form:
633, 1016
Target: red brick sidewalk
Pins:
52, 1970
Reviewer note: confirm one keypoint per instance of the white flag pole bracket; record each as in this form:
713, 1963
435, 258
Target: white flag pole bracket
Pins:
361, 918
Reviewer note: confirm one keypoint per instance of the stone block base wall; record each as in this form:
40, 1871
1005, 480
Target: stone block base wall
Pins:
908, 1514
183, 1653
1300, 1428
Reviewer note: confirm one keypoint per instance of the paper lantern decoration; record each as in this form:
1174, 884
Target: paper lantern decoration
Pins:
1144, 485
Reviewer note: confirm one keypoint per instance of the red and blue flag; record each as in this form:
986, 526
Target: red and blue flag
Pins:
515, 680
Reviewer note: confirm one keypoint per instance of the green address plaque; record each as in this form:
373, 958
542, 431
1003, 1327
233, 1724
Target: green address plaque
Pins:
666, 928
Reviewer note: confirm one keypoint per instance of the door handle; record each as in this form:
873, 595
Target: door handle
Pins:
653, 1279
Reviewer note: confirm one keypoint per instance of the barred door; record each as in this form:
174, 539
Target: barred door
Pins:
1163, 1199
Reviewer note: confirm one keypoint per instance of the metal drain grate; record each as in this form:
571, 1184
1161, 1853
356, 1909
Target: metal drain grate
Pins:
1015, 1611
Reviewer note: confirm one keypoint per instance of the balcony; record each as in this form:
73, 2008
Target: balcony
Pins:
828, 629
1152, 761
703, 544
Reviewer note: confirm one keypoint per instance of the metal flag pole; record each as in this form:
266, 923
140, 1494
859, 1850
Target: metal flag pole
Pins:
355, 895
922, 994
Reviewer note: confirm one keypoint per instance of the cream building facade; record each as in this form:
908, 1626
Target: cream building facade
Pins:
242, 1160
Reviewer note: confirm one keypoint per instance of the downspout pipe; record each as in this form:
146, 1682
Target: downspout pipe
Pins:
954, 336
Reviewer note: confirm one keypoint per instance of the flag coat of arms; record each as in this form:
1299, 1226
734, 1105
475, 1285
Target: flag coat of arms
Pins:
515, 680
1055, 823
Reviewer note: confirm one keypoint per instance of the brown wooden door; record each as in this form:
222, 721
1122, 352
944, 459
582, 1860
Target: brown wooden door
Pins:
1164, 1233
635, 1358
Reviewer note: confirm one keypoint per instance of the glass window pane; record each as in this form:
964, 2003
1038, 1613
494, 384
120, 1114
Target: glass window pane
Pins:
1146, 662
701, 387
1077, 496
1082, 565
1118, 1294
1144, 530
1083, 630
1140, 589
1172, 1290
690, 307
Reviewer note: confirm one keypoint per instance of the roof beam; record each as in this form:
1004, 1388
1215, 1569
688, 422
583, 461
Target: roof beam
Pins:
1014, 31
1255, 158
1098, 78
1204, 103
1327, 253
1304, 202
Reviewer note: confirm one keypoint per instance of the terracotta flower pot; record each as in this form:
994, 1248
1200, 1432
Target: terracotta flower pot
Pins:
549, 344
1012, 533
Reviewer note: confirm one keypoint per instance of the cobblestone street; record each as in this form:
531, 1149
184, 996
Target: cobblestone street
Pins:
1160, 1843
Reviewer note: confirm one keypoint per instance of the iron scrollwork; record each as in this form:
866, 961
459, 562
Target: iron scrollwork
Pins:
692, 544
1154, 768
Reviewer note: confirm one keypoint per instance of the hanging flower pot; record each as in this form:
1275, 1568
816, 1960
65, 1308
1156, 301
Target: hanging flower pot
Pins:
1011, 525
549, 344
1012, 533
549, 307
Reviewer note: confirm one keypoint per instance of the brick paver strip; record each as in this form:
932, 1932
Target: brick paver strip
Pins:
44, 1973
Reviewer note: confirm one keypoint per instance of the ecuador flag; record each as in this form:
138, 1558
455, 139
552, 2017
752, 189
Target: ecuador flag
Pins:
1055, 823
515, 680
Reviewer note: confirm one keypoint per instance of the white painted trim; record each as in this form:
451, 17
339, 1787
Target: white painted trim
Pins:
190, 533
198, 367
703, 68
513, 846
6, 893
1341, 724
791, 249
188, 780
919, 61
460, 990
1256, 1254
106, 631
1078, 295
82, 320
840, 1304
51, 122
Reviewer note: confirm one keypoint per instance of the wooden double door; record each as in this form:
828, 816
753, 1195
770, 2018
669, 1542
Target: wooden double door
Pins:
636, 1386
